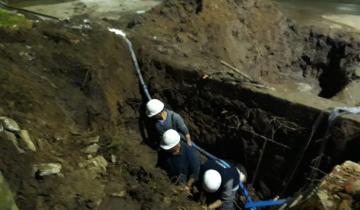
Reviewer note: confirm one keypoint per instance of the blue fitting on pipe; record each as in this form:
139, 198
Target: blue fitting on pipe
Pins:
253, 205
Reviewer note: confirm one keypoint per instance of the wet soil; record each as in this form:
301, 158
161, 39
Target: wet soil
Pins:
68, 84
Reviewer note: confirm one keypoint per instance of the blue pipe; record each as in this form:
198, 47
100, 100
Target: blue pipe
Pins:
253, 205
250, 203
134, 60
137, 68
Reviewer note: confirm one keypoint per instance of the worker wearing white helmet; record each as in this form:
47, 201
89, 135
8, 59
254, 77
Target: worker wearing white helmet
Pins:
221, 181
181, 161
166, 119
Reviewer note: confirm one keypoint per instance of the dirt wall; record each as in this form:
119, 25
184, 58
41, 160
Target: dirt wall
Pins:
73, 88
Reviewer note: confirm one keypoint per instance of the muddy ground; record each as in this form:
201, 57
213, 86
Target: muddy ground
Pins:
72, 84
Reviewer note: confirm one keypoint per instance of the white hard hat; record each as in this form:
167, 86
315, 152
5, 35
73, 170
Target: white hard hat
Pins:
211, 180
154, 107
169, 139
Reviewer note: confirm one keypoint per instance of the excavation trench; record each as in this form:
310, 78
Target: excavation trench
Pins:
233, 121
195, 60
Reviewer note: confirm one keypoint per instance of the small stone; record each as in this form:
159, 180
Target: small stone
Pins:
25, 138
10, 124
139, 12
96, 165
113, 159
7, 200
46, 169
94, 140
357, 71
121, 194
58, 137
205, 76
91, 149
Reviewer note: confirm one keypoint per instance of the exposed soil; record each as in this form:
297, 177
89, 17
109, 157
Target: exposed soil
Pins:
67, 85
254, 37
182, 46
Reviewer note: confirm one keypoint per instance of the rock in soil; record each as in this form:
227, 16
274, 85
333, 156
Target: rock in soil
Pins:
26, 141
46, 169
337, 191
91, 149
10, 124
7, 201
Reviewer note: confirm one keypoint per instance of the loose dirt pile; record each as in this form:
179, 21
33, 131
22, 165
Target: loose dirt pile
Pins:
72, 87
254, 37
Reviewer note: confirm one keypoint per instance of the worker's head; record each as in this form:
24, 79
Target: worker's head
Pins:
154, 108
170, 141
211, 180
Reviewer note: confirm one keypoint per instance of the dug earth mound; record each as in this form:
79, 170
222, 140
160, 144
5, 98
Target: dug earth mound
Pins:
253, 87
72, 89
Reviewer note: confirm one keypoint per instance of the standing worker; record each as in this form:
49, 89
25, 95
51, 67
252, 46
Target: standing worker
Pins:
167, 119
180, 160
221, 183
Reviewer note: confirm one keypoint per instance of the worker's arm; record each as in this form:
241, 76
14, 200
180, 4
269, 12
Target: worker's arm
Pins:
188, 139
188, 186
193, 159
190, 182
180, 124
194, 163
217, 204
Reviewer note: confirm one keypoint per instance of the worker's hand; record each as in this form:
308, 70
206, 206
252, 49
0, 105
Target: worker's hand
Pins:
186, 190
189, 142
188, 139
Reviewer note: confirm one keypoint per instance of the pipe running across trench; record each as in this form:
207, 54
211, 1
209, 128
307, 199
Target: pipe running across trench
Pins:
250, 203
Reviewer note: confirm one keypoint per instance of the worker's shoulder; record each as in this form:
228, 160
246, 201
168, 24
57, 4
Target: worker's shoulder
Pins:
174, 114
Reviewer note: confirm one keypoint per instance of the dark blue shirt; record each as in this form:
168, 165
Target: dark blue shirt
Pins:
172, 121
230, 178
182, 166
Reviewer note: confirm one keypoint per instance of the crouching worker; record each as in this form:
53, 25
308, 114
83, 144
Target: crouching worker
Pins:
166, 119
181, 161
221, 184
